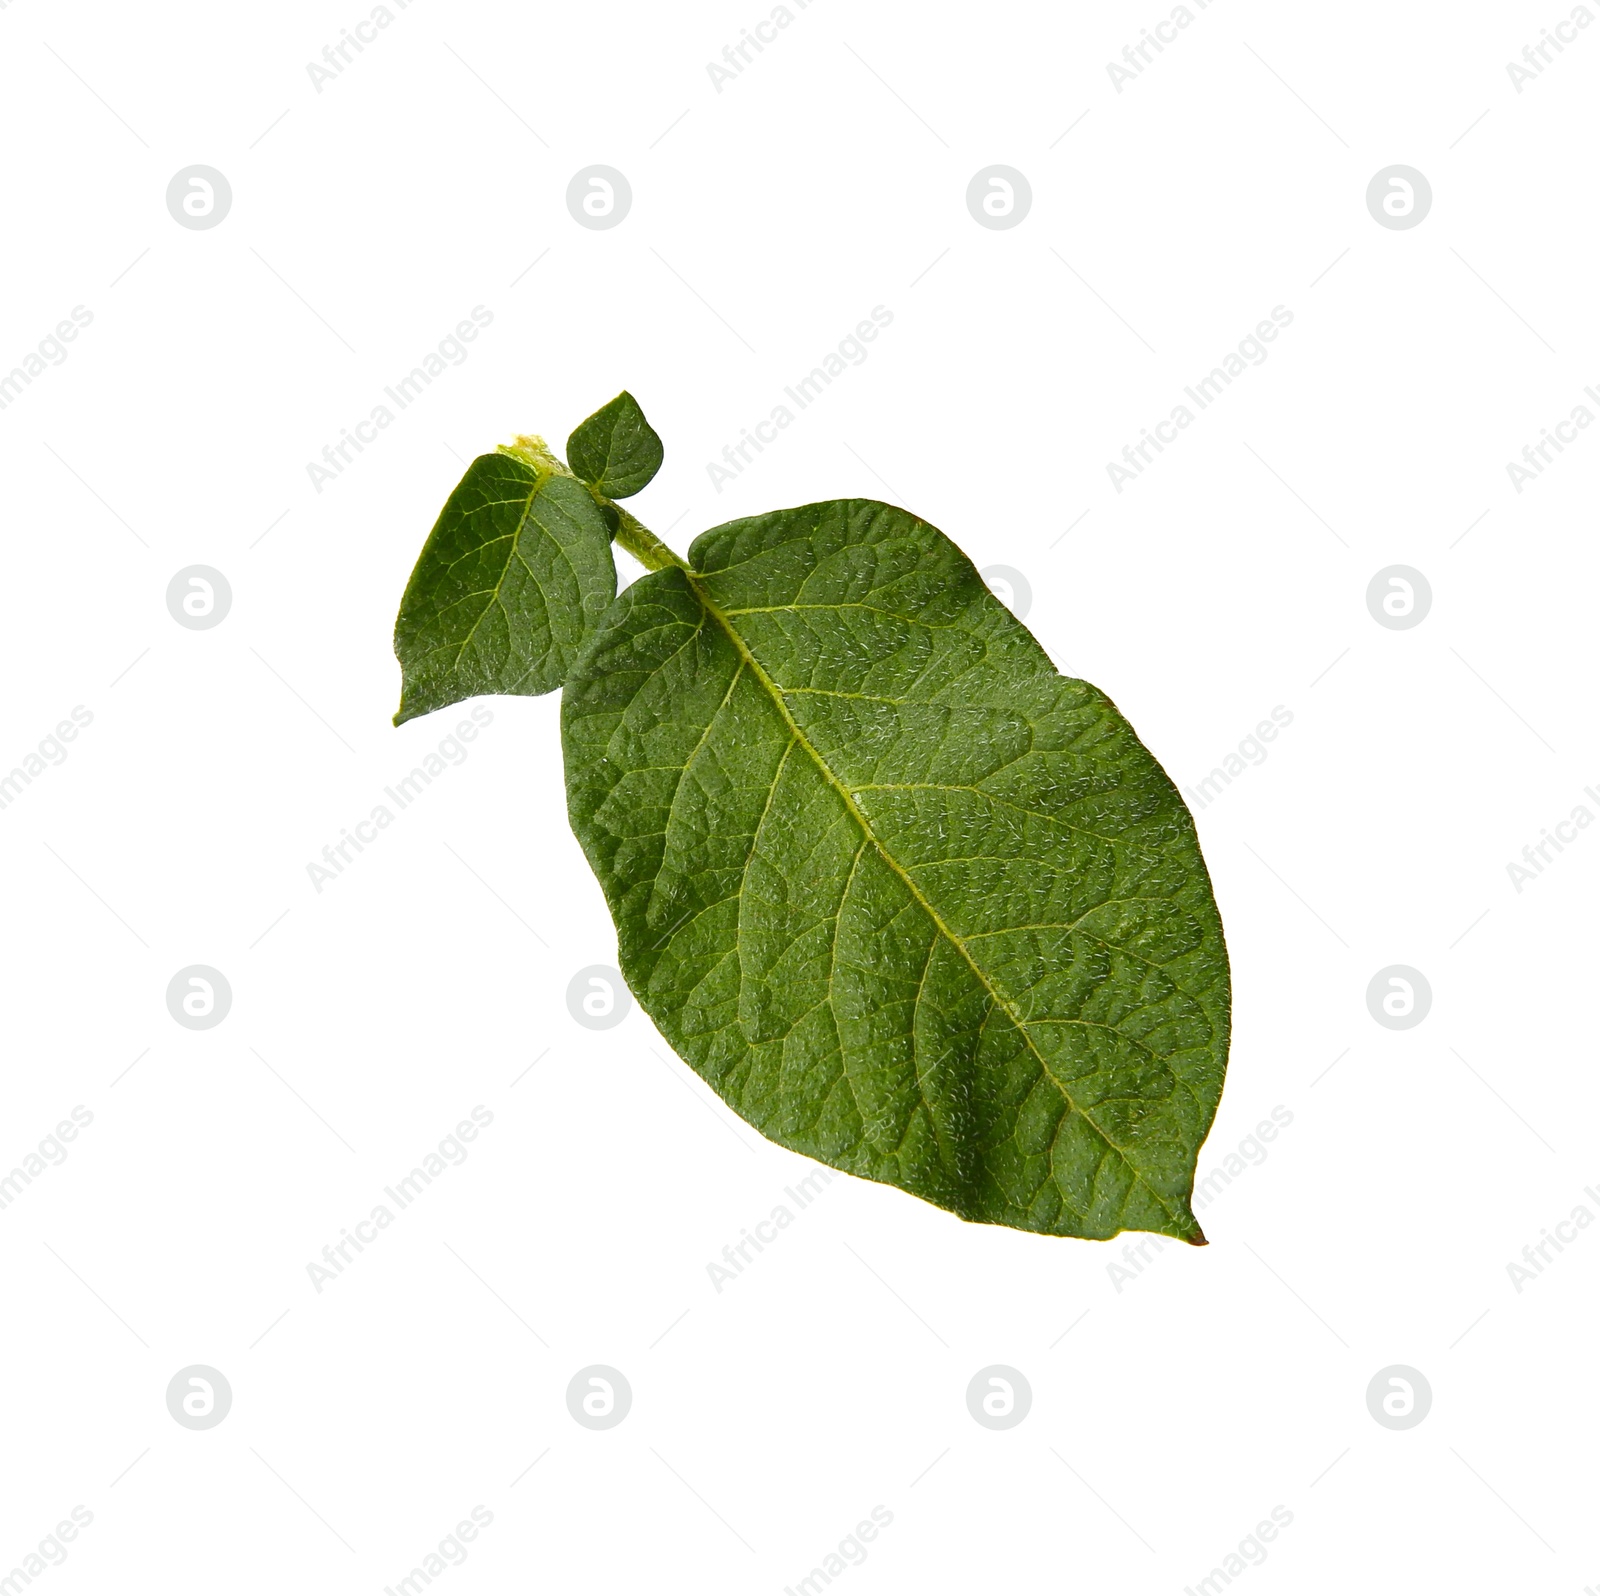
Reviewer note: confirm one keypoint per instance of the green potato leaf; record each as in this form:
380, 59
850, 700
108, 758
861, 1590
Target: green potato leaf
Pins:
910, 901
513, 577
616, 449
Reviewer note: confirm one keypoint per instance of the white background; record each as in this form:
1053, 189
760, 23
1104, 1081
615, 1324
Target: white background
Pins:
1169, 1416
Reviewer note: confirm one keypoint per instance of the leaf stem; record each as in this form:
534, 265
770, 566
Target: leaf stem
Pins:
637, 539
532, 450
643, 544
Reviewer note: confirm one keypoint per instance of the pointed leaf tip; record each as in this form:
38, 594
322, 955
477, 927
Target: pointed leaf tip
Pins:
616, 450
914, 904
508, 587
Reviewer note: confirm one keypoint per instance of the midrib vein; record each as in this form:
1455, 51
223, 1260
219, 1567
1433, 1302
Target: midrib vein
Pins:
999, 998
511, 557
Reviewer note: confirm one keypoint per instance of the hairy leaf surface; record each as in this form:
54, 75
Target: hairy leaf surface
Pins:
910, 901
513, 577
616, 448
